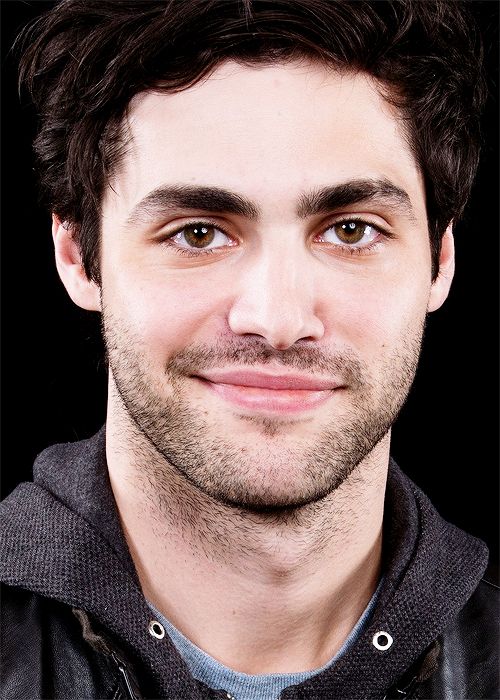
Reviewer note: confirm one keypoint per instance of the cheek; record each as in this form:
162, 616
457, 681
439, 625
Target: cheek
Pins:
165, 310
378, 317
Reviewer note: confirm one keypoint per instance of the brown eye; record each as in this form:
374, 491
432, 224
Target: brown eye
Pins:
358, 234
199, 235
351, 231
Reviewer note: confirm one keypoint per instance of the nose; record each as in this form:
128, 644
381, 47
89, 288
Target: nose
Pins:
276, 300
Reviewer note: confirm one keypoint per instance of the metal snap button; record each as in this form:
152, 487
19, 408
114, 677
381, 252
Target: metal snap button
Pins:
156, 629
382, 640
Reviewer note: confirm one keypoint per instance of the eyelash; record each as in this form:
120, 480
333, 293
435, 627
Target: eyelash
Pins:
358, 250
194, 253
346, 249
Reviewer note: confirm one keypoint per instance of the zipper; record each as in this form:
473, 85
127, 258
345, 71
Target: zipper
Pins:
99, 642
128, 684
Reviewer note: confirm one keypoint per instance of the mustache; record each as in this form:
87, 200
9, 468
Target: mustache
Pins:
341, 363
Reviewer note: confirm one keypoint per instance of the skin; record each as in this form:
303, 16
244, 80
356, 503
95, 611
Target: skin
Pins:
265, 521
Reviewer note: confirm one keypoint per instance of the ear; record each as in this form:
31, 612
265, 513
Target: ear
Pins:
83, 292
441, 285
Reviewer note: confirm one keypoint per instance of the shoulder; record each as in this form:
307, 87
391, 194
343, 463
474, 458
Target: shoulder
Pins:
469, 664
43, 653
476, 628
485, 599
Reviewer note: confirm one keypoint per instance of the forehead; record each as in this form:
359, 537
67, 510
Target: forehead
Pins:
270, 132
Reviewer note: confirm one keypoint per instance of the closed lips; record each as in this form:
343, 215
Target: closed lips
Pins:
268, 381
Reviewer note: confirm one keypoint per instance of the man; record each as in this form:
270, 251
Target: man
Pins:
259, 199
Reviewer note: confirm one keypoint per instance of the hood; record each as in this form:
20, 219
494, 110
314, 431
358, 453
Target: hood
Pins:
61, 538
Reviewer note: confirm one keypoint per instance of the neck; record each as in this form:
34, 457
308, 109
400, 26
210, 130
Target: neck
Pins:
295, 581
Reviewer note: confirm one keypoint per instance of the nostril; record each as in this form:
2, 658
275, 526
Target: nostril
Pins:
280, 323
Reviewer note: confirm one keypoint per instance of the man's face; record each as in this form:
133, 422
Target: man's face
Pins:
266, 274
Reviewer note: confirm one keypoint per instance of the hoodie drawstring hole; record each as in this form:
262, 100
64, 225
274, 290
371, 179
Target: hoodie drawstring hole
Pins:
382, 641
156, 629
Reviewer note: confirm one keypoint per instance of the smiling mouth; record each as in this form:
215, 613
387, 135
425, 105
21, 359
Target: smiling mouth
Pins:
269, 393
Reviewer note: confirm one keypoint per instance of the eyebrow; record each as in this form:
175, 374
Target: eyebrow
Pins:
218, 200
345, 194
173, 197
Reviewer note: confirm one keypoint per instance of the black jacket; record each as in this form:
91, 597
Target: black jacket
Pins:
75, 622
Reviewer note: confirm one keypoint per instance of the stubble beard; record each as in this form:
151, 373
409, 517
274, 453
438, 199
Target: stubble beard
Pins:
273, 472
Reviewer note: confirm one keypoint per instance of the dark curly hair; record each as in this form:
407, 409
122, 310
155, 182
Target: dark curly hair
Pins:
84, 60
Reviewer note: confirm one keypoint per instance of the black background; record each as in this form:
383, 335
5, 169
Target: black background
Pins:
54, 379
